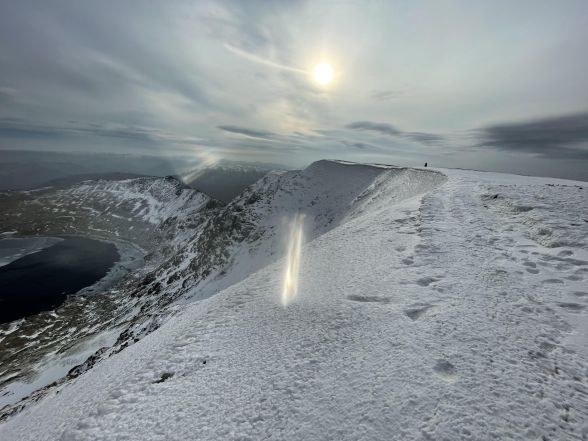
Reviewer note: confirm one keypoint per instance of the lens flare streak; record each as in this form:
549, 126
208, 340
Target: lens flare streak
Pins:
296, 236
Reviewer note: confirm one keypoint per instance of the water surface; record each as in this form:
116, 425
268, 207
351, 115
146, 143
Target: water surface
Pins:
42, 281
13, 248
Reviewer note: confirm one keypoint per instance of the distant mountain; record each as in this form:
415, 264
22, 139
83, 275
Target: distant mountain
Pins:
151, 212
76, 179
227, 179
24, 170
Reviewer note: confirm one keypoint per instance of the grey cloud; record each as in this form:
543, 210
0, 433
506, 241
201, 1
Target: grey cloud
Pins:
258, 27
7, 96
103, 61
387, 94
424, 138
364, 146
388, 129
253, 133
563, 136
13, 128
384, 95
18, 128
385, 129
234, 30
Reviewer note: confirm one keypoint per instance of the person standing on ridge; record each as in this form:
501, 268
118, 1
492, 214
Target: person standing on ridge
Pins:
425, 164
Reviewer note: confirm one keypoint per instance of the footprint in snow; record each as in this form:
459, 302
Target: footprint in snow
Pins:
426, 281
445, 370
570, 306
552, 281
414, 312
368, 299
164, 377
565, 253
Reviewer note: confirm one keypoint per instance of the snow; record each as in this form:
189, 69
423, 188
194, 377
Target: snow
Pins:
149, 197
58, 367
327, 192
427, 308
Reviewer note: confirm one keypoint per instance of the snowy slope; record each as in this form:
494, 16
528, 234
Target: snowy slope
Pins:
204, 249
158, 214
249, 233
428, 309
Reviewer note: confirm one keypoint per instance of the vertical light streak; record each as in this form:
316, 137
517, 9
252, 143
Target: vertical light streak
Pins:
290, 289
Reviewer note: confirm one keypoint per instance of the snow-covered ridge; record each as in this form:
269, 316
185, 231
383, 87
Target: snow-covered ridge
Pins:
248, 233
150, 199
436, 314
204, 247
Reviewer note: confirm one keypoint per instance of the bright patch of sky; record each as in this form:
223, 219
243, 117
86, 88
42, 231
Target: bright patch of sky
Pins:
496, 85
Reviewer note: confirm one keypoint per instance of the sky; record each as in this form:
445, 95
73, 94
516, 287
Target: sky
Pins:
498, 85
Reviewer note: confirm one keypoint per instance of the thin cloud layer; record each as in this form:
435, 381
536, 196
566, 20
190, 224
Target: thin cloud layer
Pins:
227, 77
13, 127
385, 129
389, 130
253, 133
553, 137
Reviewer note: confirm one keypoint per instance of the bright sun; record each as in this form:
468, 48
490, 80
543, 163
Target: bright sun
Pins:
322, 73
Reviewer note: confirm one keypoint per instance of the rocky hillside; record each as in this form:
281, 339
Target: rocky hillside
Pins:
148, 219
150, 212
199, 246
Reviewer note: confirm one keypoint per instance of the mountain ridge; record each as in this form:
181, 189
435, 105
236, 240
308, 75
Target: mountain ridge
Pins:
416, 288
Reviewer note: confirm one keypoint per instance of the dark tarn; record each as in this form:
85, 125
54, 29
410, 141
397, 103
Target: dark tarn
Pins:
41, 281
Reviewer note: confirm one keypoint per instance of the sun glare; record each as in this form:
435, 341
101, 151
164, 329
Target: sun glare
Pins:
295, 239
323, 73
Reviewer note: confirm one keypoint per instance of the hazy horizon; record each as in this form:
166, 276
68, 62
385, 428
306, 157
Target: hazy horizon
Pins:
496, 87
